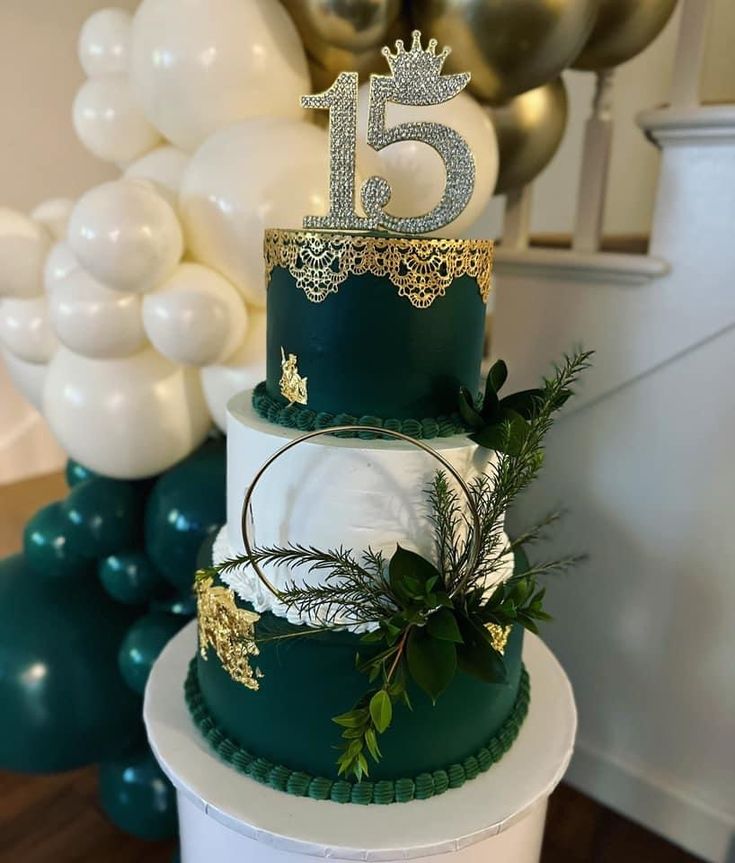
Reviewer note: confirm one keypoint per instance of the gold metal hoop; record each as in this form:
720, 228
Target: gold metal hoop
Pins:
247, 502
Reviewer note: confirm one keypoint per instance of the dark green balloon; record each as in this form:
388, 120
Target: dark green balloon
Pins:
130, 577
63, 703
76, 473
104, 515
50, 549
182, 604
186, 506
137, 797
145, 639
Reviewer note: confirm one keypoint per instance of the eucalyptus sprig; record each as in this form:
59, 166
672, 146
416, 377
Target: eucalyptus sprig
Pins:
428, 619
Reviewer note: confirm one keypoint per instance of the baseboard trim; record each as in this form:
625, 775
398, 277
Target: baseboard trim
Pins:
654, 803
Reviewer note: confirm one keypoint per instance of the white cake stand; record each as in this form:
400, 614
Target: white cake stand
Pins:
227, 817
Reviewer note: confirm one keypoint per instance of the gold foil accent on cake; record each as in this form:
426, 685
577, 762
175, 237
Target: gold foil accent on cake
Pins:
293, 386
229, 630
499, 635
422, 268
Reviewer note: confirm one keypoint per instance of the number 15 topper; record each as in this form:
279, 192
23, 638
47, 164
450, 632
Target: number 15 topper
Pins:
415, 80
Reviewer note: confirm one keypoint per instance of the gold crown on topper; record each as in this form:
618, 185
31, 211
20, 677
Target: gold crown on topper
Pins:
422, 65
415, 79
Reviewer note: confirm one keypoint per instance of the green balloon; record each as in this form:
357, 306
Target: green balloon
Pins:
186, 506
63, 701
145, 639
182, 604
104, 515
137, 797
130, 577
76, 473
50, 549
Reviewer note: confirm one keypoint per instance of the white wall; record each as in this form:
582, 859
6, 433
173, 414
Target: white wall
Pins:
643, 462
39, 75
40, 158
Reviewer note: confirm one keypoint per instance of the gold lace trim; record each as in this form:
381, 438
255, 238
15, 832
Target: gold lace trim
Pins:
229, 630
421, 268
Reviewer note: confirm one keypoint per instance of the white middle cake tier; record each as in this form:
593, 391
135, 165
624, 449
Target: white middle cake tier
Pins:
330, 492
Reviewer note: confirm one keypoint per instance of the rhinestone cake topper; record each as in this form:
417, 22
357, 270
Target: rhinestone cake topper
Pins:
416, 79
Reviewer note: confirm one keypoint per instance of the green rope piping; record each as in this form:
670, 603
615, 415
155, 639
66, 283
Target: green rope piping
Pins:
302, 418
300, 784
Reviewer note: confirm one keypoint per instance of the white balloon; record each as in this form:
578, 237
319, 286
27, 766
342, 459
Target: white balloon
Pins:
59, 263
199, 65
126, 235
253, 175
415, 170
243, 370
25, 330
94, 321
164, 167
127, 418
23, 248
110, 123
27, 378
104, 42
54, 216
196, 317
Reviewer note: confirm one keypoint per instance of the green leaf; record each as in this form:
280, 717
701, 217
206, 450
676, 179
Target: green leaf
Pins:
443, 625
497, 376
352, 719
467, 409
507, 436
444, 600
381, 710
408, 572
477, 656
431, 663
561, 398
362, 767
431, 584
525, 403
371, 741
352, 733
354, 747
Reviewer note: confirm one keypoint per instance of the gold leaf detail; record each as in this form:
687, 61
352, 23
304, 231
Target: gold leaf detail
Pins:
293, 386
499, 635
422, 268
229, 630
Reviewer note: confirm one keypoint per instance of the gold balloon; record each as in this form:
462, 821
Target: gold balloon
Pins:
327, 61
622, 30
529, 130
331, 61
348, 25
509, 46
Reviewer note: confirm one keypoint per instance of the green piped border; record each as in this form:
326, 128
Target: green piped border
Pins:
299, 417
425, 785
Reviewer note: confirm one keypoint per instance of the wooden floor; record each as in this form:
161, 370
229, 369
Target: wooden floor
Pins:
57, 819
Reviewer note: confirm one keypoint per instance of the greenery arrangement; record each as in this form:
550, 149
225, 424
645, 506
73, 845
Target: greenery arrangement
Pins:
427, 619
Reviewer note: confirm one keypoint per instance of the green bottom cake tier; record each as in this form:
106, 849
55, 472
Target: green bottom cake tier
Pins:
278, 727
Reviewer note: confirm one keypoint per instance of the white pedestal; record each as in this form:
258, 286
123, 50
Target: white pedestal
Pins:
227, 817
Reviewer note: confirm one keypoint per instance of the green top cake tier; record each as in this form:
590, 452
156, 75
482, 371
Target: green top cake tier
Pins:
372, 324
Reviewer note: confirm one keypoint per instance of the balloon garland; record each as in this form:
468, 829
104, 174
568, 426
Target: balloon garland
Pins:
102, 584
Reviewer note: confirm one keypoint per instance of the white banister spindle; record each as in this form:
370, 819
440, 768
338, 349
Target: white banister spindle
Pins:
595, 167
689, 56
517, 219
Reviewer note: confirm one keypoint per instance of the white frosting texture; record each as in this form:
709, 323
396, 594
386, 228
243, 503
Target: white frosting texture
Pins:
328, 492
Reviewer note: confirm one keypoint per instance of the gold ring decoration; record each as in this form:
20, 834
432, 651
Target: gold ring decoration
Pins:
247, 515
